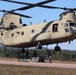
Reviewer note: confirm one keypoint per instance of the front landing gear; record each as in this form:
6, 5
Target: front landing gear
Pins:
57, 48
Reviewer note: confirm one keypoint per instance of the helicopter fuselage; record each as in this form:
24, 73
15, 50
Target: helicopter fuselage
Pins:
45, 33
14, 34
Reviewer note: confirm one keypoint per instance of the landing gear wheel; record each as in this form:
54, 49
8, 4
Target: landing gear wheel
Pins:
57, 48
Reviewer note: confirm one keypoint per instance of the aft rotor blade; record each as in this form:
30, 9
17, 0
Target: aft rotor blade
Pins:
21, 15
1, 10
52, 7
44, 6
30, 3
16, 2
11, 12
33, 5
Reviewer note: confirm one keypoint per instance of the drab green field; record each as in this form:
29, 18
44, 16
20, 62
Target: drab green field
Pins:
25, 70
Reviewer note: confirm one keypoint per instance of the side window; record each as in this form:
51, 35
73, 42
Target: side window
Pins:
55, 28
12, 34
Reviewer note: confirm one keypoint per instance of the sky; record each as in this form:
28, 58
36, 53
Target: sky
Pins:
40, 14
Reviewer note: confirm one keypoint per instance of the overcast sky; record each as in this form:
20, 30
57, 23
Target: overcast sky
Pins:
40, 14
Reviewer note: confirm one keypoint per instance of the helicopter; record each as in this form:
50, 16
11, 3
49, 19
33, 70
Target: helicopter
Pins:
15, 34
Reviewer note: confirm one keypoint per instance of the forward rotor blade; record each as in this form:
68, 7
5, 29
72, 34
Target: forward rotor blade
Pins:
52, 7
30, 4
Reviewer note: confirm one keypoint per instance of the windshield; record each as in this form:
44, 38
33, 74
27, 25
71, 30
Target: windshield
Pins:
71, 24
75, 24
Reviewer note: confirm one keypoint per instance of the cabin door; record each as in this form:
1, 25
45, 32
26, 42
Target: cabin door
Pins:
55, 31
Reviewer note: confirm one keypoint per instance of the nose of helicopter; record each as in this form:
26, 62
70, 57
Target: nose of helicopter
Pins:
73, 29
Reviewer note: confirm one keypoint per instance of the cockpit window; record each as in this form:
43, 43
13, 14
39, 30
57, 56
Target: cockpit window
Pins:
71, 24
75, 24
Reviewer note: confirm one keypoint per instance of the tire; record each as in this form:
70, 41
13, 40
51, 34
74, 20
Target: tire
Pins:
57, 48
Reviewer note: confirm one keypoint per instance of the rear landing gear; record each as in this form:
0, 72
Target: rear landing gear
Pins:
57, 48
4, 48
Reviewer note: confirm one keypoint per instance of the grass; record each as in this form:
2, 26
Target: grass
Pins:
9, 59
25, 70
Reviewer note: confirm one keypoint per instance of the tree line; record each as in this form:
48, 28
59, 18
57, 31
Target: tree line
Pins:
63, 55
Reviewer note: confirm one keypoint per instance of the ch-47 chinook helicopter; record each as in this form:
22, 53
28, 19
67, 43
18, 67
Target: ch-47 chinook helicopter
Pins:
14, 34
